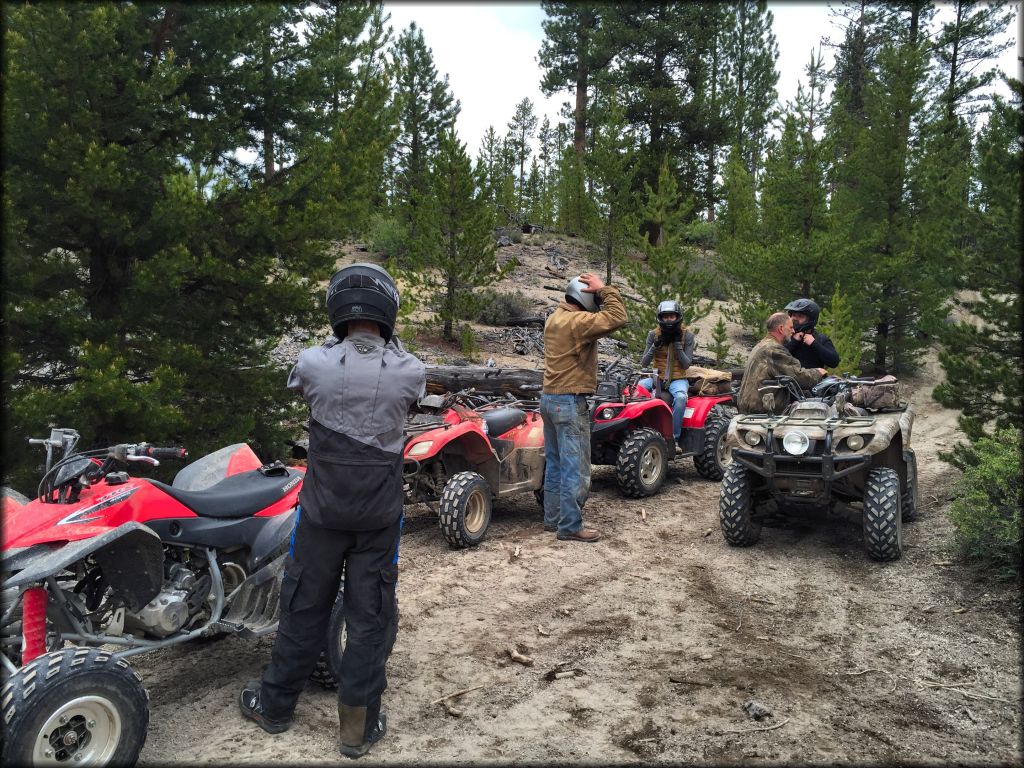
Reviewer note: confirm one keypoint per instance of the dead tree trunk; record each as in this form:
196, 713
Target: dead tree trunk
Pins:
524, 382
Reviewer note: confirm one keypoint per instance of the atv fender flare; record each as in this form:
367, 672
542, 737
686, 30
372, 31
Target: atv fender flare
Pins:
130, 555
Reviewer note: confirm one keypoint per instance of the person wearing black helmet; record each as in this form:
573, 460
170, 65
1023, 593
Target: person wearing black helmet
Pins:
670, 347
591, 310
359, 385
811, 347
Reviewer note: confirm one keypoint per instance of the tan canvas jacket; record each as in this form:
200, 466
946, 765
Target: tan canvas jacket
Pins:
767, 360
570, 343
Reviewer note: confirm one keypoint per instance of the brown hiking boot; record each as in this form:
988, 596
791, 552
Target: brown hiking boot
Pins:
583, 534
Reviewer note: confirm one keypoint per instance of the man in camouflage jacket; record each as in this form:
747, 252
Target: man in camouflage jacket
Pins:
770, 359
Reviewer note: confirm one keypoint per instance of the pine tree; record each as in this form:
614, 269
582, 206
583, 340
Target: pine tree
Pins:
149, 271
611, 168
427, 109
962, 46
456, 249
520, 133
670, 270
719, 346
792, 250
750, 50
839, 324
983, 355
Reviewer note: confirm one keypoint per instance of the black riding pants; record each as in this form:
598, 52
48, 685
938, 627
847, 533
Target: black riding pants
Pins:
318, 558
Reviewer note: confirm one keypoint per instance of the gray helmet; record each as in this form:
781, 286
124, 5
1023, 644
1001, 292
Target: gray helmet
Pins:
362, 292
669, 327
574, 293
805, 307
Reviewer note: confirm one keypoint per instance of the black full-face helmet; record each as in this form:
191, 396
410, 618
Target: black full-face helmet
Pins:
805, 307
584, 299
362, 292
669, 327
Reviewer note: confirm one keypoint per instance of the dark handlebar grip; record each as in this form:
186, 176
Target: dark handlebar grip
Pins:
163, 453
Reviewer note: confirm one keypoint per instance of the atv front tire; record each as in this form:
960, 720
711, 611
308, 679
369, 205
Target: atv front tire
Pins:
882, 518
736, 508
714, 456
80, 706
642, 463
465, 510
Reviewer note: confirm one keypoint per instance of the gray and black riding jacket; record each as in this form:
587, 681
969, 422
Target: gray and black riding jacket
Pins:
359, 391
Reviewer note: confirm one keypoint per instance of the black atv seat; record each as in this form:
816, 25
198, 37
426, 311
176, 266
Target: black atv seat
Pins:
501, 420
240, 495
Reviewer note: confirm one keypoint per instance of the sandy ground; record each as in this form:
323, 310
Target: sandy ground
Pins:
668, 632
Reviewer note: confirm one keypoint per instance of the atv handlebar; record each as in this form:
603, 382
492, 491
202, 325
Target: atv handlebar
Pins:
156, 452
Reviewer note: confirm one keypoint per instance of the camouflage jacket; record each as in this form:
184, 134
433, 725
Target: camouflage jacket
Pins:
768, 360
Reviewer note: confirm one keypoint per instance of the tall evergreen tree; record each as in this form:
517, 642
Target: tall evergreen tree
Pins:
983, 354
456, 249
964, 44
520, 133
670, 270
611, 168
750, 51
147, 285
572, 51
426, 109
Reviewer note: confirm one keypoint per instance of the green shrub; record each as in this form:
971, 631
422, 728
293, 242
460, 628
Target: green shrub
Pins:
986, 509
701, 233
387, 236
498, 307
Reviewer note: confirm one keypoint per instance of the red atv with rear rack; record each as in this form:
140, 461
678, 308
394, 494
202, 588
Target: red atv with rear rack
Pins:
631, 429
467, 450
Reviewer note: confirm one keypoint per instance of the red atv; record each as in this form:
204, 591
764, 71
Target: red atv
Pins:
102, 566
466, 451
631, 429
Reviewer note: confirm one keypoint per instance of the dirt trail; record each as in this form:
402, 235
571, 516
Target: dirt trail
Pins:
670, 631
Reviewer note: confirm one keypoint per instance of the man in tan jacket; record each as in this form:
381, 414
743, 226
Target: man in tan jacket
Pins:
770, 359
591, 310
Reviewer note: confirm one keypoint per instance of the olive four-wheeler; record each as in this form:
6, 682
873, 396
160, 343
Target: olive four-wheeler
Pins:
465, 452
820, 451
631, 429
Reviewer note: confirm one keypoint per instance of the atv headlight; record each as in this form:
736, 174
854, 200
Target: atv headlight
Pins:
855, 442
607, 413
421, 448
752, 438
796, 442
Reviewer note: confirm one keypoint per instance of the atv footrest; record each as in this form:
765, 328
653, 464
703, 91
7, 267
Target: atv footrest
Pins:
253, 608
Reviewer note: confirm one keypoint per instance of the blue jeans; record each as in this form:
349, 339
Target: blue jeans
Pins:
566, 460
679, 389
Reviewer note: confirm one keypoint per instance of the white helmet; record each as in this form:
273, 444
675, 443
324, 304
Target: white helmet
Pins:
574, 293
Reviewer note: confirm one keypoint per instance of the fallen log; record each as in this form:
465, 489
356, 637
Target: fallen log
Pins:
522, 322
524, 382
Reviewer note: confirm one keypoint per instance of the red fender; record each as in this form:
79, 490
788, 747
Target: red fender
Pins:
698, 408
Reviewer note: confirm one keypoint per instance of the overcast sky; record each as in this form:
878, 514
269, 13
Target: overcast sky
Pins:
489, 52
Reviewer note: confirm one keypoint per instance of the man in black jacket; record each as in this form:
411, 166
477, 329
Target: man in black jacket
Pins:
359, 386
811, 347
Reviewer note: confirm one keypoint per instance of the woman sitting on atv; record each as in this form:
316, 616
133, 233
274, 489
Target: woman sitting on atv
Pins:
670, 347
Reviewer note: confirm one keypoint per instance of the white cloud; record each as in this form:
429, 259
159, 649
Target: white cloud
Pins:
489, 52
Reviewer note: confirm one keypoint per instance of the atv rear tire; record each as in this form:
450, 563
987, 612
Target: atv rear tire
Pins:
714, 456
736, 508
465, 510
327, 671
882, 519
642, 463
81, 706
909, 500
